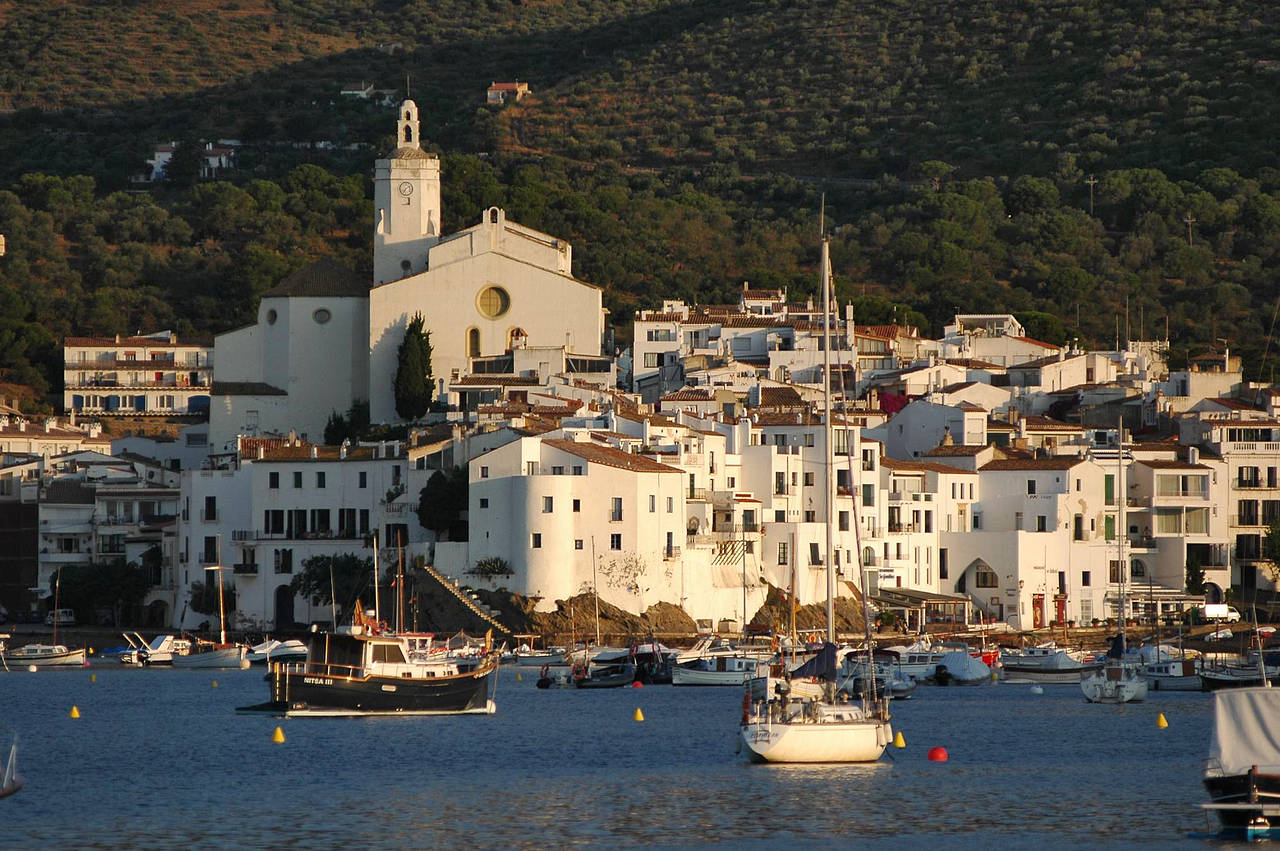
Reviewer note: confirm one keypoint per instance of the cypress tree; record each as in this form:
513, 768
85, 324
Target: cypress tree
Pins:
412, 384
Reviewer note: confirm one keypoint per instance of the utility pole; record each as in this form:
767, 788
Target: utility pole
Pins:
1091, 182
1190, 220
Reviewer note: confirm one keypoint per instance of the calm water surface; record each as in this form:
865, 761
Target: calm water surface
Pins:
160, 759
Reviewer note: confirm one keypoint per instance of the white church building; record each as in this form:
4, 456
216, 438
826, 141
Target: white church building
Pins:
323, 339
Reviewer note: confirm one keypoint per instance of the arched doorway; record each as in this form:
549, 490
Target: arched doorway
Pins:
284, 607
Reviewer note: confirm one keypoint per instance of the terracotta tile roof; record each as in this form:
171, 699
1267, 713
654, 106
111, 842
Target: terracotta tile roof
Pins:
662, 317
974, 363
1036, 422
279, 450
191, 342
1233, 404
610, 457
410, 154
958, 450
1042, 362
780, 397
246, 388
924, 466
1035, 342
498, 380
688, 394
325, 278
1156, 464
970, 406
1057, 462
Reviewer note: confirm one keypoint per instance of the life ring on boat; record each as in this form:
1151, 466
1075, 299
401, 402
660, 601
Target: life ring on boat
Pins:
382, 626
579, 671
746, 706
545, 670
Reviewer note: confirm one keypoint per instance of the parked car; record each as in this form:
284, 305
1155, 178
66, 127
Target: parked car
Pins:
60, 617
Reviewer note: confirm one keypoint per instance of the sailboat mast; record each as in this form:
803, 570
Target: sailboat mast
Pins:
222, 609
377, 612
827, 459
1122, 494
595, 591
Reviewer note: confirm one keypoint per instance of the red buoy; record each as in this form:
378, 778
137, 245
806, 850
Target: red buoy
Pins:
937, 754
637, 684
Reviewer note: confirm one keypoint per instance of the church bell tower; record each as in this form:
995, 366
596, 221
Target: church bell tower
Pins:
406, 197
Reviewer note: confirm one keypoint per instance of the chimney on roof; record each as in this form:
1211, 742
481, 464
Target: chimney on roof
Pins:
48, 424
117, 339
342, 450
1193, 455
293, 437
314, 452
22, 425
262, 452
947, 439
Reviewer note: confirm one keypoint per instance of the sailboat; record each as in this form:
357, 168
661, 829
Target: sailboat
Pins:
785, 729
45, 654
9, 780
206, 654
1120, 680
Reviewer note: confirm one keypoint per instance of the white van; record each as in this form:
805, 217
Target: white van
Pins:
60, 617
1221, 612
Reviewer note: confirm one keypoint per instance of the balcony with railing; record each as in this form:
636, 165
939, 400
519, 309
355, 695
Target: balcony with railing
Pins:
670, 553
249, 536
245, 569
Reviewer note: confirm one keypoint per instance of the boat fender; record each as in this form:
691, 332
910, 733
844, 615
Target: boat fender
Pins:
746, 706
545, 669
545, 682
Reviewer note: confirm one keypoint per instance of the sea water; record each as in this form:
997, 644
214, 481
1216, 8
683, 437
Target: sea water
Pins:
160, 759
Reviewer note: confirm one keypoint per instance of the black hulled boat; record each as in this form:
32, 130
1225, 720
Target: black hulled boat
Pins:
364, 672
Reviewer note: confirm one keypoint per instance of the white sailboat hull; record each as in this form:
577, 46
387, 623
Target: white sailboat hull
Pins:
1114, 684
839, 741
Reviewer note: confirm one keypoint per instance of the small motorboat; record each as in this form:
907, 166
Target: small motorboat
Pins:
44, 654
959, 668
604, 675
271, 650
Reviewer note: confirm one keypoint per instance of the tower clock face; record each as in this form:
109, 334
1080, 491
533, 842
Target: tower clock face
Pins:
406, 188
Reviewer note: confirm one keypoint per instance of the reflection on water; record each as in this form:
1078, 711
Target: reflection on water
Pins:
159, 759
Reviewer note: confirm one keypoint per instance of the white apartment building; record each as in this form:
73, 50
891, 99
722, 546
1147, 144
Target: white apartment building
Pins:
152, 374
46, 437
277, 503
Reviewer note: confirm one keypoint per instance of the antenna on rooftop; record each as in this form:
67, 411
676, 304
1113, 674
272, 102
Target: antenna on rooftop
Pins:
822, 217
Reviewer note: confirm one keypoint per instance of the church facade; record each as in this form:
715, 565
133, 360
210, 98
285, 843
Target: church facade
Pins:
324, 339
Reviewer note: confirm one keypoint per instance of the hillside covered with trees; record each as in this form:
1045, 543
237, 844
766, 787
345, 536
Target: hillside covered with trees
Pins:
1059, 160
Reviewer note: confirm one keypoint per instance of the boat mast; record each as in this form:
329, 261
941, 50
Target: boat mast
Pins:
827, 462
400, 582
1122, 494
377, 614
57, 587
222, 609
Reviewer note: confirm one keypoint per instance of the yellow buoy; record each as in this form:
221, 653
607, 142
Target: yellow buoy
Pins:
1161, 721
278, 736
898, 741
75, 712
215, 683
639, 716
93, 678
519, 677
90, 651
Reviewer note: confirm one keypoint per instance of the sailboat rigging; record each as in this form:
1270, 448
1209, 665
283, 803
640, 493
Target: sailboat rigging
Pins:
1119, 680
826, 728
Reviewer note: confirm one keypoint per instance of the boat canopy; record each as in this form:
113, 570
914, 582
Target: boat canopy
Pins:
822, 665
1246, 730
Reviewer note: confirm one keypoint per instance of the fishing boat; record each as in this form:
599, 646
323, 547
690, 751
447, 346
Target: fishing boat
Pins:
830, 729
43, 655
209, 654
718, 670
159, 651
10, 782
222, 654
1242, 774
889, 678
